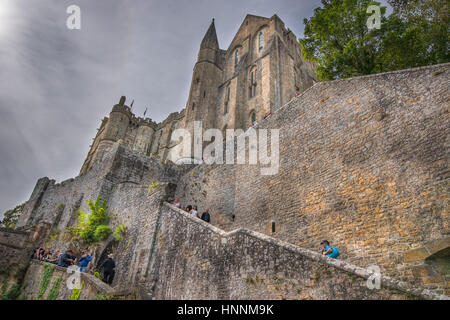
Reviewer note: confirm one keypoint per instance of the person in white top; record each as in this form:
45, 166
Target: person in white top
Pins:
194, 211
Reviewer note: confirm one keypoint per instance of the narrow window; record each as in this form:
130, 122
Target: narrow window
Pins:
228, 94
273, 227
252, 87
193, 105
253, 117
236, 58
225, 110
260, 41
204, 94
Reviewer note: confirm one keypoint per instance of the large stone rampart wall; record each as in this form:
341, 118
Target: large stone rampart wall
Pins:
195, 260
363, 163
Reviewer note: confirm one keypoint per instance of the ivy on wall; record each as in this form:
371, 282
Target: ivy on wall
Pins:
54, 291
13, 293
48, 273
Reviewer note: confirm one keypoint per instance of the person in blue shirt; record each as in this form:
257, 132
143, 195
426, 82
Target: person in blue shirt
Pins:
84, 261
328, 250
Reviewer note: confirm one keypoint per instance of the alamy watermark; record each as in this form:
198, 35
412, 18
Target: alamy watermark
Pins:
374, 281
213, 153
374, 21
73, 22
74, 280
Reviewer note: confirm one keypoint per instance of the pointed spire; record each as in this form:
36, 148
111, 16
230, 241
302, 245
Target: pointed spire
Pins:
210, 39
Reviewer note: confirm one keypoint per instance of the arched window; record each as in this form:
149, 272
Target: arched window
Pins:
260, 41
253, 117
236, 58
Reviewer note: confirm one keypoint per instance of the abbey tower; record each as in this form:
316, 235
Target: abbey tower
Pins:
261, 70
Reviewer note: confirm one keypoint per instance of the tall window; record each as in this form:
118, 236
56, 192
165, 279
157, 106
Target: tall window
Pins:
253, 82
227, 99
236, 58
260, 41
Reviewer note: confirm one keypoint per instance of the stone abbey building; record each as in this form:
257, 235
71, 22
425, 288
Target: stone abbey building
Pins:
261, 70
363, 163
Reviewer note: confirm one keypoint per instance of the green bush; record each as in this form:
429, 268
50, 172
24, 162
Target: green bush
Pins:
120, 232
11, 217
102, 232
91, 227
89, 222
76, 293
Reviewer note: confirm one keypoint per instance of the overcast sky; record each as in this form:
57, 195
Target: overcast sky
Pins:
57, 84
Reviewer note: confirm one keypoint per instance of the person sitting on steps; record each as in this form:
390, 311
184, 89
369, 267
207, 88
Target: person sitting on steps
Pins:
328, 250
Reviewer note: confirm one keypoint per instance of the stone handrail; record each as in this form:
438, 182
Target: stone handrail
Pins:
386, 282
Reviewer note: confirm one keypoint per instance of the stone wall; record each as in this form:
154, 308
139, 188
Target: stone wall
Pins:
195, 260
34, 289
363, 163
14, 250
120, 171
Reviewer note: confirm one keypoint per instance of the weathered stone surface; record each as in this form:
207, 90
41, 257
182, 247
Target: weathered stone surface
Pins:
91, 286
376, 188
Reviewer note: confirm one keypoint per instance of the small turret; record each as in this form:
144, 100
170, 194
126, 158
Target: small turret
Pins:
119, 119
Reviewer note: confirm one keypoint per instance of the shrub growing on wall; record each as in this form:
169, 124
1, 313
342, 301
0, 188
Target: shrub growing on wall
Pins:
120, 232
11, 217
102, 232
92, 226
76, 293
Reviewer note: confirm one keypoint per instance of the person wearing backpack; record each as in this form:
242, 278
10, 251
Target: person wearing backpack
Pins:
328, 250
